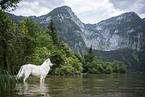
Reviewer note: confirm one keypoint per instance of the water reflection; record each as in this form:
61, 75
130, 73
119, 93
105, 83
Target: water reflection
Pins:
103, 85
32, 89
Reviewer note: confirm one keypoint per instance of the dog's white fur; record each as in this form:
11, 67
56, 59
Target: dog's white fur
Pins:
37, 71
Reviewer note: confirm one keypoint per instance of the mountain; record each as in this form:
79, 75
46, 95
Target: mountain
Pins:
124, 31
108, 38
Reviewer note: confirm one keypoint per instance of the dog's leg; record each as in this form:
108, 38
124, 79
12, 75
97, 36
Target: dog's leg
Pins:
20, 73
27, 73
26, 76
41, 79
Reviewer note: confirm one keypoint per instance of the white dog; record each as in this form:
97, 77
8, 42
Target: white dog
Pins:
37, 71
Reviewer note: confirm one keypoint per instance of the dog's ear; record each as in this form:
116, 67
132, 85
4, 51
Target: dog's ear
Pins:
48, 60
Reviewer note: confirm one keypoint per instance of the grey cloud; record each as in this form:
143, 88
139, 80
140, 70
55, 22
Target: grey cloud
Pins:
93, 16
122, 4
47, 3
129, 5
142, 11
36, 6
51, 3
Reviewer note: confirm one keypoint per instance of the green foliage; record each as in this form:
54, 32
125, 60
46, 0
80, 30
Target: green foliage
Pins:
109, 69
96, 66
40, 55
7, 34
63, 46
72, 66
6, 4
26, 40
6, 83
58, 71
134, 60
52, 33
68, 70
89, 57
122, 68
57, 58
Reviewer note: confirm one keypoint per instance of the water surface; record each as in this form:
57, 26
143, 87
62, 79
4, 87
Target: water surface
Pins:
102, 85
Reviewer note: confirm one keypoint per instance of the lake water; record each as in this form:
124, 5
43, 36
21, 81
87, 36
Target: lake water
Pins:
102, 85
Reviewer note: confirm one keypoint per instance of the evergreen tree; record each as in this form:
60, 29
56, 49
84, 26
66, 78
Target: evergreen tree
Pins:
52, 33
6, 35
28, 32
89, 57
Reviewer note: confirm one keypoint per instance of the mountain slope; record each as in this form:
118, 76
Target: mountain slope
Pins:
124, 31
67, 25
106, 37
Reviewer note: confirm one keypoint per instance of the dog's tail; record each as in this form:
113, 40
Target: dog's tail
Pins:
20, 73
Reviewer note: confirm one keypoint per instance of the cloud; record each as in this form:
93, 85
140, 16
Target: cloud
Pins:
36, 7
50, 3
93, 11
88, 11
122, 4
137, 6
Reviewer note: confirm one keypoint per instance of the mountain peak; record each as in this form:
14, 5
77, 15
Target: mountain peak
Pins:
65, 7
62, 9
129, 15
125, 17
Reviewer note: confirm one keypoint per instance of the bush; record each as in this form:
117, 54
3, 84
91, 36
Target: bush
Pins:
71, 66
109, 69
57, 58
57, 71
100, 68
122, 68
6, 83
69, 70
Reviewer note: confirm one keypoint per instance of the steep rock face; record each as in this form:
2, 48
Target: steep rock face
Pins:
68, 26
124, 31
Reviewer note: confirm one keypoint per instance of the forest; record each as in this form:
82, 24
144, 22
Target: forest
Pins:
26, 42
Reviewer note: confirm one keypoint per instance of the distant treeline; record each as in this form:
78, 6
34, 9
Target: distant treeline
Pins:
95, 65
134, 60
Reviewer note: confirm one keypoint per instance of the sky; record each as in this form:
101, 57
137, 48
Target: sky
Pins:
88, 11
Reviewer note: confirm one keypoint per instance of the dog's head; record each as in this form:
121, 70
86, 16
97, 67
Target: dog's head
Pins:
49, 62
